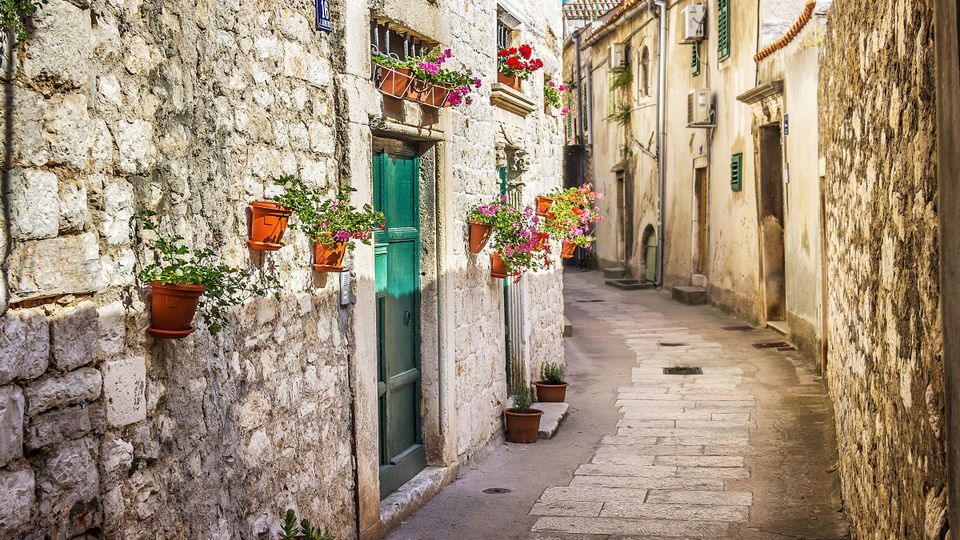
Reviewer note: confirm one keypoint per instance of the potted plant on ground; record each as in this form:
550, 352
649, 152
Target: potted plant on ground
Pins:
553, 97
572, 213
515, 240
181, 280
424, 79
551, 388
516, 64
523, 421
334, 225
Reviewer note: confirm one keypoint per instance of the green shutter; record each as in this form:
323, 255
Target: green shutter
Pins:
723, 29
736, 172
695, 61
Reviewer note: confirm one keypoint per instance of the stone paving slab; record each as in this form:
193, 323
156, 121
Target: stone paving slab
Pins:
732, 498
568, 508
646, 527
686, 512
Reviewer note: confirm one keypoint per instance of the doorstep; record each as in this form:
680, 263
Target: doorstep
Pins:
779, 326
553, 415
567, 328
409, 497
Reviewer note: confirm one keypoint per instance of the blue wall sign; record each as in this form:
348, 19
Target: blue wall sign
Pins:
323, 16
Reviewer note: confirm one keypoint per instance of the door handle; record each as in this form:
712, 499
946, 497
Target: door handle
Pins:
406, 318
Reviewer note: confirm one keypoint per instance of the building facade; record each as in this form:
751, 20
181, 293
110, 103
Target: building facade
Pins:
796, 142
190, 110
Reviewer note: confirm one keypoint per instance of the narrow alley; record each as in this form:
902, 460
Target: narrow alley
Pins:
743, 450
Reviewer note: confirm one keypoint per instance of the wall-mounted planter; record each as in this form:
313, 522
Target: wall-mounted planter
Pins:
551, 393
172, 309
267, 225
523, 427
329, 258
568, 250
432, 95
542, 239
497, 268
513, 82
543, 205
479, 235
395, 81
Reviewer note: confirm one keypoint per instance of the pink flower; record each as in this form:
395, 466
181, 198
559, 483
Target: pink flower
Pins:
562, 88
341, 236
551, 83
478, 83
565, 111
429, 67
447, 53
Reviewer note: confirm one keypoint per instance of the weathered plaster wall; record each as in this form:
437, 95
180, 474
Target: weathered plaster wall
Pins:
885, 365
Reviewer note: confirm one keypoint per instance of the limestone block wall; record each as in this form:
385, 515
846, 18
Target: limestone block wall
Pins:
885, 362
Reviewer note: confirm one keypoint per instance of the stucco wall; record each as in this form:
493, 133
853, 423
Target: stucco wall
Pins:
885, 364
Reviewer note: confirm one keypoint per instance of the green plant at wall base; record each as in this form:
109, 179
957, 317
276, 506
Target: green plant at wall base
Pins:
520, 390
305, 530
14, 15
325, 220
552, 372
225, 286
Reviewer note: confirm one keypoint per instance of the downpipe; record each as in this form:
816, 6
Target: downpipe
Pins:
661, 14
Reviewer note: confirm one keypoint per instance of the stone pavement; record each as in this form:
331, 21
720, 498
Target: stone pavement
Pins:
744, 450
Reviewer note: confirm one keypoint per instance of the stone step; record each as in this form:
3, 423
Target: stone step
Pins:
567, 328
692, 296
614, 272
553, 415
629, 284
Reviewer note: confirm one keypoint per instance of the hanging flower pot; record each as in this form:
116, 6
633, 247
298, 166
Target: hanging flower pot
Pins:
395, 81
551, 393
329, 257
543, 205
512, 82
432, 95
523, 427
479, 235
172, 309
542, 239
568, 250
267, 225
497, 267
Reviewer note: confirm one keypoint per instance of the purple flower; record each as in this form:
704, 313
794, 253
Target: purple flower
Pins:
478, 83
341, 236
448, 53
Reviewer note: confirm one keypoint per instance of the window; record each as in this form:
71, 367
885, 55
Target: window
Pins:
390, 40
695, 61
503, 35
323, 16
723, 29
645, 72
568, 120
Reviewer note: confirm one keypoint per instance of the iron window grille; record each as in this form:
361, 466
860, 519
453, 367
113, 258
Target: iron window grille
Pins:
386, 40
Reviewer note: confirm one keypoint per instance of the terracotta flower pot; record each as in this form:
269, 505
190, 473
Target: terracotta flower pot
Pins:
395, 81
542, 239
172, 309
267, 225
513, 82
329, 258
568, 249
551, 393
497, 267
523, 427
429, 94
479, 235
543, 205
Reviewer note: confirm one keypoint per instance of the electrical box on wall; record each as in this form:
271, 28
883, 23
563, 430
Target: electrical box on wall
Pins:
694, 23
618, 55
699, 108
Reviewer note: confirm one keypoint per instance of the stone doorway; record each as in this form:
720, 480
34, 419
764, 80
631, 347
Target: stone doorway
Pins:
771, 223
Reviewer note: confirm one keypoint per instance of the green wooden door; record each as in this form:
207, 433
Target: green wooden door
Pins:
397, 251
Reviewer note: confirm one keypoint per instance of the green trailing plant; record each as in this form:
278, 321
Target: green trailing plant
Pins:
429, 68
303, 531
622, 78
325, 220
520, 390
623, 114
226, 286
552, 372
14, 15
514, 235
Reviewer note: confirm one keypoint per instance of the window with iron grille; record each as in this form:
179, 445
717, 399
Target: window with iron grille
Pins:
323, 16
736, 172
387, 39
503, 35
723, 29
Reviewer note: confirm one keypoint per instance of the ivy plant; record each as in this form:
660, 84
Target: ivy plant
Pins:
14, 15
225, 286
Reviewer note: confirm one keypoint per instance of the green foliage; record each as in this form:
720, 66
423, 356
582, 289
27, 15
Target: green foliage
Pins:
327, 220
552, 372
225, 286
622, 78
14, 15
449, 78
306, 531
623, 114
553, 95
522, 395
514, 235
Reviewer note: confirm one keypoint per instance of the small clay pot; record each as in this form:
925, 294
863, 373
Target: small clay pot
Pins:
267, 224
172, 308
543, 205
479, 235
329, 258
395, 81
568, 250
497, 267
551, 393
513, 82
523, 427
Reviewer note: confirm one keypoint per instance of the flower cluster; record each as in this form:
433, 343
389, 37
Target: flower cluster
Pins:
430, 68
516, 235
326, 220
572, 215
518, 62
553, 93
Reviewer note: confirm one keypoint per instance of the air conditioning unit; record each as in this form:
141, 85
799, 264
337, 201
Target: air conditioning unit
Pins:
694, 23
699, 108
618, 55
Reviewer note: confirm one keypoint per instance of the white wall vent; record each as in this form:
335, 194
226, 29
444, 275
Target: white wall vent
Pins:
694, 23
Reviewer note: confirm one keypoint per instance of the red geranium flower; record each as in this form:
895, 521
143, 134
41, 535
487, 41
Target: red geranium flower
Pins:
526, 51
513, 50
513, 62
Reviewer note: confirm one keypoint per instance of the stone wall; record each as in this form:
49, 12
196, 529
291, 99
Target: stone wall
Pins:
884, 365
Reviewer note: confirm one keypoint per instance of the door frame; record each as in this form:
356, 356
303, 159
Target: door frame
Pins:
761, 242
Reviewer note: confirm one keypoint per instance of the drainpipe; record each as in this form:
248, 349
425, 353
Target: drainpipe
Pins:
583, 146
661, 13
